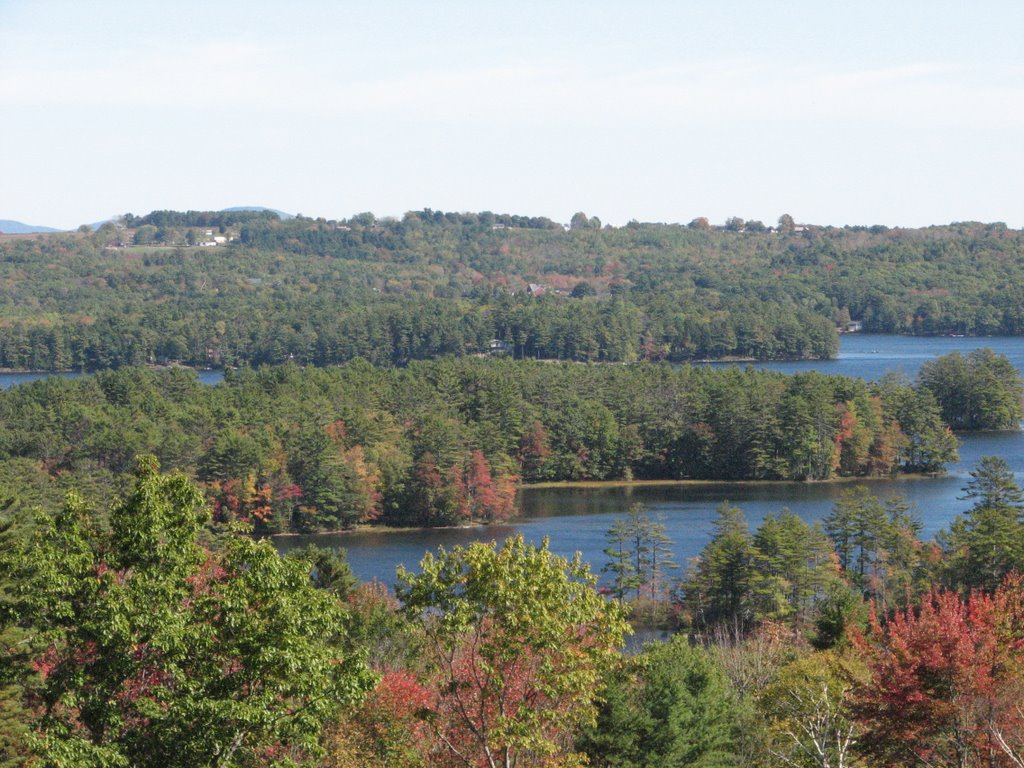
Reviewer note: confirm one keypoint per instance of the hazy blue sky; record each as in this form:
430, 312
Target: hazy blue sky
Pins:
897, 112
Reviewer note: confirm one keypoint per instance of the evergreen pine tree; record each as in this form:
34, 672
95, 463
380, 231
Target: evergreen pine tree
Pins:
639, 552
620, 564
717, 589
986, 544
670, 707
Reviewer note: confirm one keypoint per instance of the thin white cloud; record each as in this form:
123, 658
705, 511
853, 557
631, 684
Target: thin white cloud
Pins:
230, 76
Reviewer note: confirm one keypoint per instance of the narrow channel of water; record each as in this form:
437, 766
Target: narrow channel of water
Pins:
8, 380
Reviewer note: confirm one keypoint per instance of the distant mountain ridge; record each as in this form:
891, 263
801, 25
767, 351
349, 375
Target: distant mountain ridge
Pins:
11, 227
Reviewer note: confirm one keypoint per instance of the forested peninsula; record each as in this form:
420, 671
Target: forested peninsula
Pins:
446, 442
248, 288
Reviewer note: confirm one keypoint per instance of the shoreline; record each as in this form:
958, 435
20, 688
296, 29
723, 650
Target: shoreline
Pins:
687, 361
367, 528
597, 485
693, 482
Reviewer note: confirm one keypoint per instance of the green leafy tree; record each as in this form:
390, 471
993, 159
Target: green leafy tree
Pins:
518, 641
144, 235
807, 706
582, 289
160, 652
579, 220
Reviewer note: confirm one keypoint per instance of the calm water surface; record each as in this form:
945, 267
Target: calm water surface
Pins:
577, 518
8, 380
871, 357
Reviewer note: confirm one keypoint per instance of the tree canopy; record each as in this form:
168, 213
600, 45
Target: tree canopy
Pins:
155, 650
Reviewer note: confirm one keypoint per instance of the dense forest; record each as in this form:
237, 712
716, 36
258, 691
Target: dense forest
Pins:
152, 641
431, 284
446, 442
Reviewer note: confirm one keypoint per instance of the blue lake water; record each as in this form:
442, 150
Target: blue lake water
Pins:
8, 380
871, 357
575, 519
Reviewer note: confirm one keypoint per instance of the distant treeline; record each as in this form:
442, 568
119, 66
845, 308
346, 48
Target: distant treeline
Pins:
446, 441
197, 218
317, 331
432, 284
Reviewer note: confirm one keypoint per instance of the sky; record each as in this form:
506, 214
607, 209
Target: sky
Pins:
903, 113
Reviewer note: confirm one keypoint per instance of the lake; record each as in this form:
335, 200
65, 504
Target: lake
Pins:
577, 518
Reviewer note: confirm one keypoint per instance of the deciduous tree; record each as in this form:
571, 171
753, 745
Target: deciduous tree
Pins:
518, 640
944, 679
160, 652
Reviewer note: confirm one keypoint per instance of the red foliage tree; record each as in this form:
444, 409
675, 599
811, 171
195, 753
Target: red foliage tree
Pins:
385, 729
476, 695
481, 496
844, 432
945, 680
505, 485
487, 496
366, 483
437, 499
